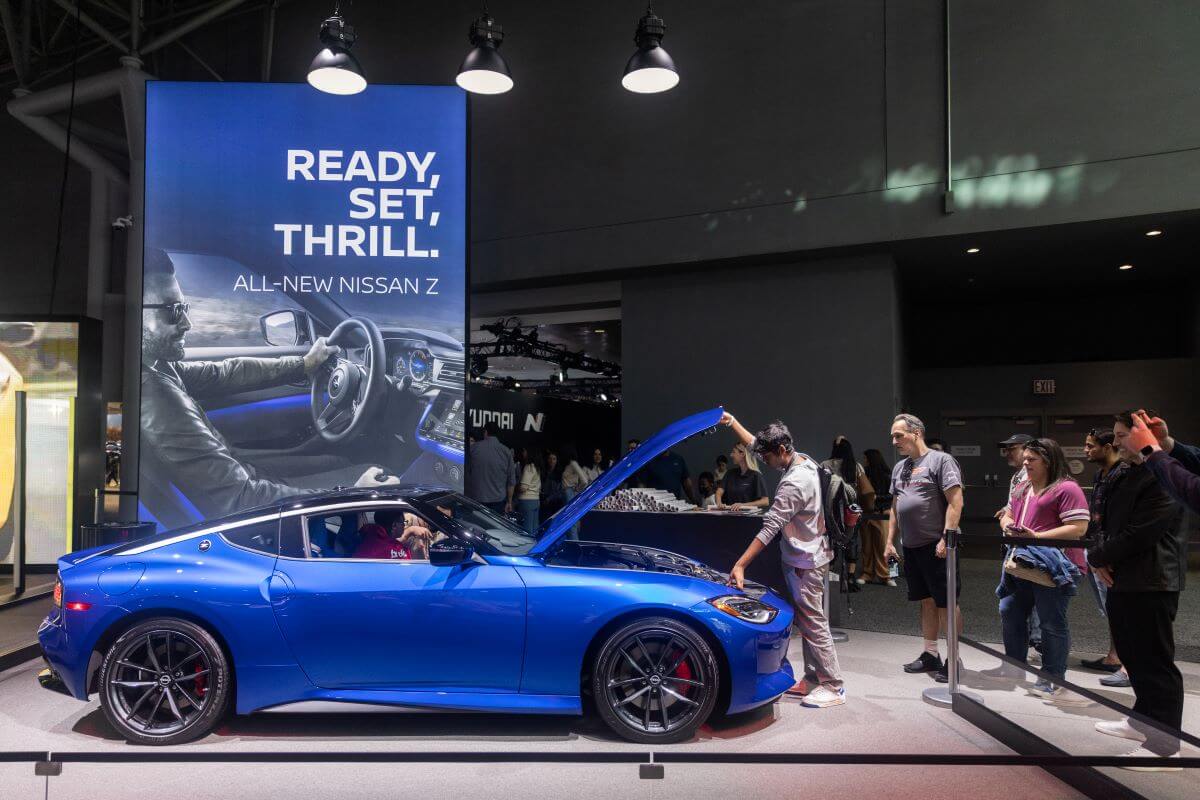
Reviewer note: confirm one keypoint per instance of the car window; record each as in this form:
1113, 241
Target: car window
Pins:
261, 537
390, 532
486, 526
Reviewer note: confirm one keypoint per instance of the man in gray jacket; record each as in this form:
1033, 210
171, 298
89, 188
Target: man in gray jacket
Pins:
797, 517
178, 434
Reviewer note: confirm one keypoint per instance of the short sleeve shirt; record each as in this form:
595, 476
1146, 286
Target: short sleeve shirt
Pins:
741, 488
1061, 503
918, 488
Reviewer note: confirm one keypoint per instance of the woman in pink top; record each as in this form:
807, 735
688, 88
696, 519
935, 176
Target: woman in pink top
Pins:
1047, 505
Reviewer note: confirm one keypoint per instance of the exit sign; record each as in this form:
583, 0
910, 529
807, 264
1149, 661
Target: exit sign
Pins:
1043, 386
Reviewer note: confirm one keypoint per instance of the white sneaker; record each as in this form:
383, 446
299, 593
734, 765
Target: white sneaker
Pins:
891, 583
823, 697
1142, 752
1121, 728
861, 581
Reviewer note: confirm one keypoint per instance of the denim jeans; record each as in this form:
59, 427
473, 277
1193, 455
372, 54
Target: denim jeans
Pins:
528, 509
1051, 605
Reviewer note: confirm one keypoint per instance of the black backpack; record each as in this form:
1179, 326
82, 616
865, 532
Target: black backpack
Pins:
836, 505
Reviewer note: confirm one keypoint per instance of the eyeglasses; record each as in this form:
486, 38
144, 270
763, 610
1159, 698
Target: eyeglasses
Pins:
175, 311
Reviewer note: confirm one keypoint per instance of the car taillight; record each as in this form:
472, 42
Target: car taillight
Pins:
78, 606
58, 592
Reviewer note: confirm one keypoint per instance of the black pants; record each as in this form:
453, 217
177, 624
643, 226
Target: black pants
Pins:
1143, 632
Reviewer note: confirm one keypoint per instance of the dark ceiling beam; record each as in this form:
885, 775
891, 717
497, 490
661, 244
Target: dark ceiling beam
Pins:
14, 47
92, 25
201, 19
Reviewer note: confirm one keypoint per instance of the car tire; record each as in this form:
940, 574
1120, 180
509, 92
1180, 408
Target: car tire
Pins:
164, 681
655, 681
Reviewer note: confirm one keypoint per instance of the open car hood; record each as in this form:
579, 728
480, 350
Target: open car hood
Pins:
553, 529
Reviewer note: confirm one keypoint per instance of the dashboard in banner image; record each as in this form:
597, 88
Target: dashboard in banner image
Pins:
304, 294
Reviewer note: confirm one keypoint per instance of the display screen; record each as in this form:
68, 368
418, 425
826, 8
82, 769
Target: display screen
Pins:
41, 359
304, 292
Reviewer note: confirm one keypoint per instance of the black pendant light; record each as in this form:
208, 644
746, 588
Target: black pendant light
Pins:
484, 70
650, 69
335, 70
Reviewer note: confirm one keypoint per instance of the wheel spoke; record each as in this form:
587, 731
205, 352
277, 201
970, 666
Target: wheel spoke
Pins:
134, 684
153, 711
645, 652
131, 665
152, 655
678, 696
174, 706
636, 666
671, 669
666, 719
192, 676
662, 656
685, 681
646, 712
138, 704
169, 644
613, 684
632, 697
189, 659
192, 701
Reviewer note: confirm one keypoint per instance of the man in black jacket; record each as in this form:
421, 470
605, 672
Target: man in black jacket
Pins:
1176, 465
1142, 558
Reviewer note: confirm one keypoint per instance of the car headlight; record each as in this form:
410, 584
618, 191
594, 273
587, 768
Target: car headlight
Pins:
745, 608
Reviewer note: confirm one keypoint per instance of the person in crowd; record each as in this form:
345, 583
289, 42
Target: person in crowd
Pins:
927, 502
1047, 505
552, 488
743, 486
395, 535
573, 480
722, 467
1012, 450
491, 471
873, 534
841, 462
1142, 559
707, 483
632, 444
529, 490
934, 443
1100, 449
669, 472
1174, 464
636, 478
797, 518
593, 470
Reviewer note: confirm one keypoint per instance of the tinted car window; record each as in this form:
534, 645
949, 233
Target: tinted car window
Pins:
262, 537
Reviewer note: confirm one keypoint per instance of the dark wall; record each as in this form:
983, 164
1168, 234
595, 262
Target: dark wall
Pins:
797, 124
810, 343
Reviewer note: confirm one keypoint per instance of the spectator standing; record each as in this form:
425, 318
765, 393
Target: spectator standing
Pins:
743, 486
1100, 449
594, 470
873, 533
573, 480
797, 517
529, 491
934, 443
1142, 558
927, 503
707, 485
668, 471
491, 471
1012, 450
722, 468
1176, 465
841, 462
552, 488
1047, 505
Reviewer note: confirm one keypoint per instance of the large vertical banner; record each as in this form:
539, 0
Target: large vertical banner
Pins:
304, 301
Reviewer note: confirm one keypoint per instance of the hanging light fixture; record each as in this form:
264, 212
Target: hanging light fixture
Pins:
650, 69
484, 70
335, 70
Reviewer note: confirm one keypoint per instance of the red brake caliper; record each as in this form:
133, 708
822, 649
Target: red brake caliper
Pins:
685, 672
201, 682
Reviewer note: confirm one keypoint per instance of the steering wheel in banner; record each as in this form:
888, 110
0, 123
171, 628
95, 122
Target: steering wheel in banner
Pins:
345, 394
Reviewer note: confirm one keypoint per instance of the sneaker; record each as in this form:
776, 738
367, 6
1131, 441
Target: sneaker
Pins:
1142, 752
943, 674
1045, 690
1099, 665
1005, 670
890, 583
1122, 729
823, 697
926, 662
861, 581
1120, 678
799, 689
1036, 644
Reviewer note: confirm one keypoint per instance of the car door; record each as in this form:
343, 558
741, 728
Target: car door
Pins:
371, 623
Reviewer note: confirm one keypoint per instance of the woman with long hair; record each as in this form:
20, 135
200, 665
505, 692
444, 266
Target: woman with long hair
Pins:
1048, 504
873, 533
552, 488
529, 489
743, 485
842, 463
573, 480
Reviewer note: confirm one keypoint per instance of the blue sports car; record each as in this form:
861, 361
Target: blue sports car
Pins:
288, 606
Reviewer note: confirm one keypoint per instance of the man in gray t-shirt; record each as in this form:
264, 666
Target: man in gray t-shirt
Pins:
927, 501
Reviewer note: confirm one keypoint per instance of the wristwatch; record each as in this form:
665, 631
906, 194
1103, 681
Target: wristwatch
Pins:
1147, 450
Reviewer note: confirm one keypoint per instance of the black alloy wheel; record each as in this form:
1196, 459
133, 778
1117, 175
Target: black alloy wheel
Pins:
655, 681
164, 681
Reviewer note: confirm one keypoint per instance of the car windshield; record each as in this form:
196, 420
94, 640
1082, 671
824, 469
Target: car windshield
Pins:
499, 532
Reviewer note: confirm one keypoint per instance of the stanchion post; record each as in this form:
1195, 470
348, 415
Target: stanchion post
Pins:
944, 695
18, 504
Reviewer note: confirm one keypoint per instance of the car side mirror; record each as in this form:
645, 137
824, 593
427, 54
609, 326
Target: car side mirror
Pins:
449, 553
282, 328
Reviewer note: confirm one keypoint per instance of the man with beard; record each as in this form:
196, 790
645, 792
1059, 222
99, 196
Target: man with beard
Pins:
177, 432
1100, 449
